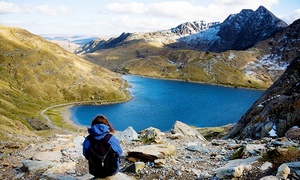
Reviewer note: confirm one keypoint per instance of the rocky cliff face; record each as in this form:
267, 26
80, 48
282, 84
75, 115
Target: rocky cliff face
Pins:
238, 32
283, 47
278, 109
277, 53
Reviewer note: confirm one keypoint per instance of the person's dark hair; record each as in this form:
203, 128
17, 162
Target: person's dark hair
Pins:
100, 119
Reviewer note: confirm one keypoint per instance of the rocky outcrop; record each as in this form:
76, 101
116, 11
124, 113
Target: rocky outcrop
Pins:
278, 110
60, 157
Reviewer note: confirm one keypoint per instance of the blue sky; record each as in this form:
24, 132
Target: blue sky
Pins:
112, 17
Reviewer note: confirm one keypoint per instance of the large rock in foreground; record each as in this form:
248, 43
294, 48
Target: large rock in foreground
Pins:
185, 130
152, 152
278, 110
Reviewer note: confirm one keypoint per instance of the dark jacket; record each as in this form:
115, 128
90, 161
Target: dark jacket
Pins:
98, 131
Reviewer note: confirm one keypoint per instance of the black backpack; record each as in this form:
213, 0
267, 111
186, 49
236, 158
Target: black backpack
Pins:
103, 160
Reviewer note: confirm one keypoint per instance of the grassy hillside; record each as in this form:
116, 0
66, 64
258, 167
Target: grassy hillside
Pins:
142, 58
35, 74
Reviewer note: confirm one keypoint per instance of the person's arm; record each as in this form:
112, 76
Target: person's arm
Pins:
85, 146
114, 142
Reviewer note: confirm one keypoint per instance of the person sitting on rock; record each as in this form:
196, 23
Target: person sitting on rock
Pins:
102, 149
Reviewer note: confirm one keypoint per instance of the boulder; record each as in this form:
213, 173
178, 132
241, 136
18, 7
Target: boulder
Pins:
253, 149
53, 156
185, 130
61, 168
35, 166
235, 168
129, 134
267, 165
152, 152
294, 166
293, 133
195, 147
283, 171
152, 134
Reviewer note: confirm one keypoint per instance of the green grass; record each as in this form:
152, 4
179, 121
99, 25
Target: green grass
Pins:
197, 66
36, 74
277, 158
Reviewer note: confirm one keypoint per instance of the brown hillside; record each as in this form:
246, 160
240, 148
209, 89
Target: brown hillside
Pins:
35, 74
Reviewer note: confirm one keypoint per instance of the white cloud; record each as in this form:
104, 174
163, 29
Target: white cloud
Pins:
291, 17
9, 8
132, 24
217, 10
130, 8
246, 3
47, 10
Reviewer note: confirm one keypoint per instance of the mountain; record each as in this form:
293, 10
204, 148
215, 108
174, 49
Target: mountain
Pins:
238, 32
278, 109
159, 38
70, 43
97, 44
36, 74
175, 53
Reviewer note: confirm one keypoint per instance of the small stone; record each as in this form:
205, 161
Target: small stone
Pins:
266, 166
283, 171
269, 178
159, 162
134, 168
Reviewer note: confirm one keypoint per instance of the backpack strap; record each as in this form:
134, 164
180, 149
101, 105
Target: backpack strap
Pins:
106, 138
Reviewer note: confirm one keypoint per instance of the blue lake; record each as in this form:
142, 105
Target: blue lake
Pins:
159, 103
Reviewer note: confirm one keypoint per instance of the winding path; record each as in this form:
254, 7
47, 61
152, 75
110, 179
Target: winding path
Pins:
122, 99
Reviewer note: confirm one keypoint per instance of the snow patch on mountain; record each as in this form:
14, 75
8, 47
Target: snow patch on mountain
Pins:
231, 56
192, 31
206, 35
266, 62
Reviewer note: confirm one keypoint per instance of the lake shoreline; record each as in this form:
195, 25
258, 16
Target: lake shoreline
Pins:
196, 82
205, 131
205, 108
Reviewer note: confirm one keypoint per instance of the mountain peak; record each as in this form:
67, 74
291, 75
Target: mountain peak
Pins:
192, 27
243, 30
262, 9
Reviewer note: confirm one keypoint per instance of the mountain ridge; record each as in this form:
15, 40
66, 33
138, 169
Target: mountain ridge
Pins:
158, 38
212, 37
